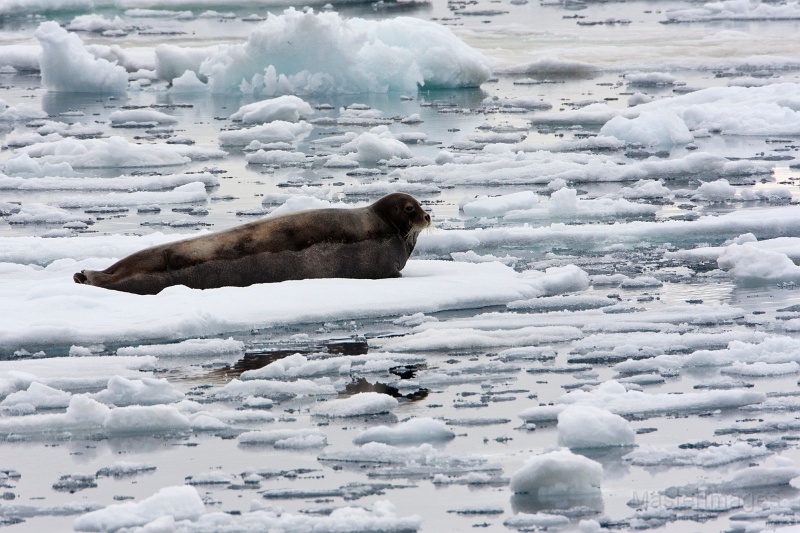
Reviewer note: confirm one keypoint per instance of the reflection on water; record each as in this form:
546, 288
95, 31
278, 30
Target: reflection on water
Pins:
587, 504
362, 385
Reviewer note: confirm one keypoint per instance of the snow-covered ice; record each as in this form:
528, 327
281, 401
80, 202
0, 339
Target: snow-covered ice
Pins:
597, 333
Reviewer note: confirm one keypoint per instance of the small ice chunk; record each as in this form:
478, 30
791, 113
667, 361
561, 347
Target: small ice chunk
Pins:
145, 391
285, 438
761, 369
365, 403
288, 107
662, 128
715, 191
585, 426
416, 430
180, 503
494, 206
559, 472
537, 521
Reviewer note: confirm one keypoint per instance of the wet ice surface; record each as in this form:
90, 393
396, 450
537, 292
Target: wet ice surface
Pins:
600, 330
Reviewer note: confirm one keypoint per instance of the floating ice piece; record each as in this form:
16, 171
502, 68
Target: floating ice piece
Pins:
39, 396
381, 517
789, 246
381, 188
415, 430
271, 389
513, 166
564, 203
24, 165
570, 302
201, 348
300, 203
286, 438
523, 103
761, 369
179, 503
318, 53
426, 286
85, 414
734, 10
288, 108
365, 403
710, 457
646, 189
140, 116
476, 339
781, 220
560, 472
276, 131
67, 66
650, 79
472, 257
277, 158
114, 152
729, 110
733, 110
759, 476
20, 510
145, 391
122, 469
423, 461
527, 521
612, 396
376, 145
21, 112
494, 206
640, 282
298, 366
210, 478
596, 113
751, 265
69, 373
120, 183
715, 191
34, 213
96, 23
182, 194
660, 129
585, 426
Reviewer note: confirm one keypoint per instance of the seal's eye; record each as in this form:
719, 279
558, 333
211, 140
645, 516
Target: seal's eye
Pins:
409, 209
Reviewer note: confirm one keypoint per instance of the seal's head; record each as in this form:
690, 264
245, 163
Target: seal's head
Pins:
403, 212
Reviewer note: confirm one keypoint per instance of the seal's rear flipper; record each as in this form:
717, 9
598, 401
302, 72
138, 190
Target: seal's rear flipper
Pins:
80, 277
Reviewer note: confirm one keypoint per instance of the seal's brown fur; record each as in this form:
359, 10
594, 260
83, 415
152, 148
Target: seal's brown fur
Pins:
369, 242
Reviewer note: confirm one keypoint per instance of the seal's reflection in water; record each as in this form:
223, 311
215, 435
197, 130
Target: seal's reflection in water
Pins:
260, 357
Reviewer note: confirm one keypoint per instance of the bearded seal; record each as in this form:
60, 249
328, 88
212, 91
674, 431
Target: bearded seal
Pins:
368, 243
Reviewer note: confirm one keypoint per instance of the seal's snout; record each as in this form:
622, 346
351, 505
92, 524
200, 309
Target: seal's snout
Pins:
427, 218
80, 277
